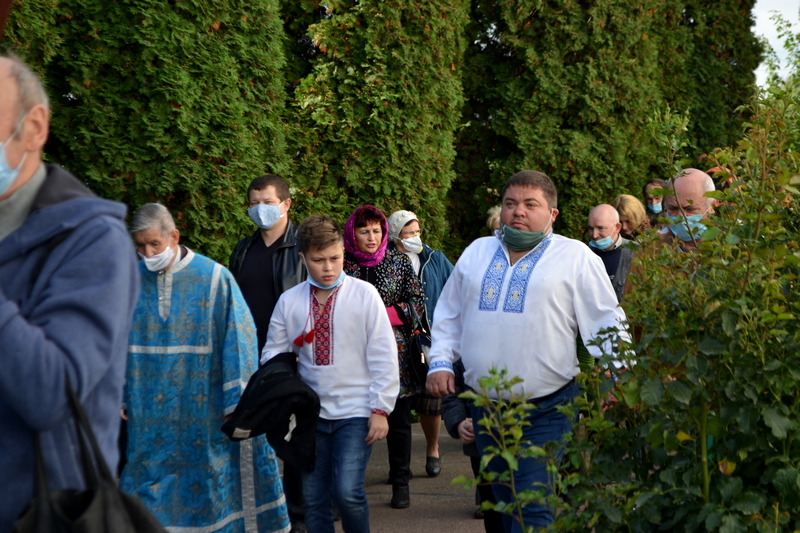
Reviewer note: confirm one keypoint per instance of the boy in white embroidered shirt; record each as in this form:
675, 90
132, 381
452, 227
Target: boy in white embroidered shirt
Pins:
347, 353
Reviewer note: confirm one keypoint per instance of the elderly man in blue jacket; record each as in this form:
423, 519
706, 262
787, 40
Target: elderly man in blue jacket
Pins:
68, 287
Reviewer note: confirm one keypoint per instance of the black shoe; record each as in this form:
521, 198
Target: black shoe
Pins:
433, 466
478, 514
400, 497
299, 527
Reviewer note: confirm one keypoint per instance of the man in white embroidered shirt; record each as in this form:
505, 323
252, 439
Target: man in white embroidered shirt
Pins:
517, 300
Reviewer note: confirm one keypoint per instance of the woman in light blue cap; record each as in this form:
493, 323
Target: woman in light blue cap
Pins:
433, 269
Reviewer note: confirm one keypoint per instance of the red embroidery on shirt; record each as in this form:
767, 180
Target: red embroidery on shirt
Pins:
323, 329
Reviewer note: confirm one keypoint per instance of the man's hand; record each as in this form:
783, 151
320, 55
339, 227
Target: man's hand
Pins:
378, 428
123, 413
466, 431
440, 384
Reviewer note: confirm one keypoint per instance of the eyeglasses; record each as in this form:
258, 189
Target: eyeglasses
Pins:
407, 234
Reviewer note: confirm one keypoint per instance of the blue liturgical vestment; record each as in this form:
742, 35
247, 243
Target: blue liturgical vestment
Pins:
192, 350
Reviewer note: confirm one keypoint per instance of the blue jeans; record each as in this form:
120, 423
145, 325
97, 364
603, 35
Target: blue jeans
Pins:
545, 424
341, 465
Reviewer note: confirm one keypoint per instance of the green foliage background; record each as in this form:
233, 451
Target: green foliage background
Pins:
428, 106
565, 87
176, 102
374, 121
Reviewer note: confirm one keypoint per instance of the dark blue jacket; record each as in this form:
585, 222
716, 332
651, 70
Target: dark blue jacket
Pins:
435, 269
68, 287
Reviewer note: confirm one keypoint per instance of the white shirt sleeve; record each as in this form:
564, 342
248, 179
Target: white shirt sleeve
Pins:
447, 328
278, 340
381, 348
596, 308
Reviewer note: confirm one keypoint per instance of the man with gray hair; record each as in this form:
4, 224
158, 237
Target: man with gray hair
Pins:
192, 350
68, 286
687, 207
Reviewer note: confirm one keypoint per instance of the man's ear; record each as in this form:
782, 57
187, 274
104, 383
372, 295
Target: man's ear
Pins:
175, 235
618, 225
37, 127
288, 204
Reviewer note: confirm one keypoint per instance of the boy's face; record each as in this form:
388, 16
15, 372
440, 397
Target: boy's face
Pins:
326, 264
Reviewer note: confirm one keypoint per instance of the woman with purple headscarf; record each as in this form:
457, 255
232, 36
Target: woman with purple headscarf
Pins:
366, 235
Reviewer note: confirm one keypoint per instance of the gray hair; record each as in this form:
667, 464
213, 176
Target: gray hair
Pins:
152, 215
30, 91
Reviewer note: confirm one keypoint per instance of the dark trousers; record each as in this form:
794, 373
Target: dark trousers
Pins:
399, 442
293, 490
492, 520
545, 423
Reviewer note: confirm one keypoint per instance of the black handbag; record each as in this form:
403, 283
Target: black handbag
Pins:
419, 345
100, 508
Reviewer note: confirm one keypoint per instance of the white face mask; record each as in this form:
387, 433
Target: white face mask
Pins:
160, 261
412, 244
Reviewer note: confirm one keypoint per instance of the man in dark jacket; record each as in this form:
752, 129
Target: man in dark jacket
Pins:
68, 287
603, 227
266, 264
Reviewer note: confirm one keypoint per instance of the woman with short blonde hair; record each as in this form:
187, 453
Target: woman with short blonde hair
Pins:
632, 215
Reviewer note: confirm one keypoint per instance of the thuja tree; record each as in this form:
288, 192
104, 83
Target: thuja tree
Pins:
563, 87
176, 102
718, 71
374, 121
30, 32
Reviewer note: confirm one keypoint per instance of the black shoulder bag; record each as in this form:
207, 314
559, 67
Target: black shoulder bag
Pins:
419, 345
100, 508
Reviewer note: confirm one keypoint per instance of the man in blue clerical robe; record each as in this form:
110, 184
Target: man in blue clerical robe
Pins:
192, 350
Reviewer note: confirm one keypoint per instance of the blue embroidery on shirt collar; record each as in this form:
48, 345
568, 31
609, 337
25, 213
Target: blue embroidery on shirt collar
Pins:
493, 278
493, 281
518, 286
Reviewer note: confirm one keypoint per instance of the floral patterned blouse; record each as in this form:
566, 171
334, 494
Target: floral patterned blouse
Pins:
398, 286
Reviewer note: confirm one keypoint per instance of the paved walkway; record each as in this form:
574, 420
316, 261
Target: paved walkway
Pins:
435, 504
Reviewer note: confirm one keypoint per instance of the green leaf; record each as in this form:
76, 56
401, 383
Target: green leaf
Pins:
785, 481
680, 390
729, 323
710, 346
748, 419
652, 392
711, 233
732, 524
614, 514
513, 465
732, 239
729, 487
714, 519
631, 393
750, 502
779, 424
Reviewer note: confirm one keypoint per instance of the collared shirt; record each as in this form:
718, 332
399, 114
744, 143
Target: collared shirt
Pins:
524, 317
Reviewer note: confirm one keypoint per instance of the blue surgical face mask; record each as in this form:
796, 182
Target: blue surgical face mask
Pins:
8, 174
655, 208
602, 244
333, 285
679, 228
265, 216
